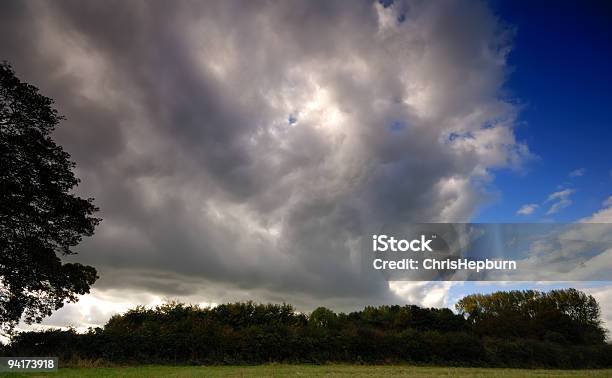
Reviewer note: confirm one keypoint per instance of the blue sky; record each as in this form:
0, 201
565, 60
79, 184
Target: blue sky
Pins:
560, 61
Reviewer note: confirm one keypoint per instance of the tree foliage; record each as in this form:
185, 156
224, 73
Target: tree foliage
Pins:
255, 333
40, 219
566, 315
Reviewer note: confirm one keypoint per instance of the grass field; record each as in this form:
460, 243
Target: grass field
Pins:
312, 371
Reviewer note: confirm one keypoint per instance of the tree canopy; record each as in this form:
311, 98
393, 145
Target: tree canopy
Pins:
41, 218
565, 315
248, 332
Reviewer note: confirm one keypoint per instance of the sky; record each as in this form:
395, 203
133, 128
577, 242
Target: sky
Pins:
240, 149
560, 61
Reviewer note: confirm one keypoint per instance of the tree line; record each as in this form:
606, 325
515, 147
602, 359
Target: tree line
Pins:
560, 328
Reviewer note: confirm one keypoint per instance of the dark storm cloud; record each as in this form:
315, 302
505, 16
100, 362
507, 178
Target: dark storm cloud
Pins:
177, 115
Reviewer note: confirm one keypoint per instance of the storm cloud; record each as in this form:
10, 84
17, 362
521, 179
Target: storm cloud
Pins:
242, 149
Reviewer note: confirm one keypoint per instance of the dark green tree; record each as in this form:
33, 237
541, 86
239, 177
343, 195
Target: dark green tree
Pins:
322, 317
565, 315
40, 219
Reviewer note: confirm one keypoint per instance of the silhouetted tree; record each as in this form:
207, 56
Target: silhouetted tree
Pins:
40, 218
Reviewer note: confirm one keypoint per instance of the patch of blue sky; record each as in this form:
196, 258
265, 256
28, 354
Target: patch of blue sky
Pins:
397, 126
292, 119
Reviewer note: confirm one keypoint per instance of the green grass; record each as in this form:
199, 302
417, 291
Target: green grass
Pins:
313, 371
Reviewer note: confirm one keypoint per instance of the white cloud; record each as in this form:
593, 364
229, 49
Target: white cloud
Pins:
608, 202
560, 199
603, 295
602, 216
527, 209
426, 294
577, 252
577, 172
562, 194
